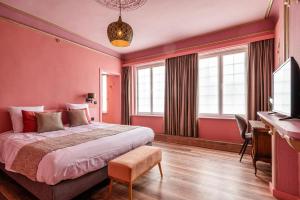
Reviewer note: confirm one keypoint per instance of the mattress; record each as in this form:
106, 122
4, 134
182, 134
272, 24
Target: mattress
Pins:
75, 161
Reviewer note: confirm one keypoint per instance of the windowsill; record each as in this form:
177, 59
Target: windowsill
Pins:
212, 116
217, 117
146, 115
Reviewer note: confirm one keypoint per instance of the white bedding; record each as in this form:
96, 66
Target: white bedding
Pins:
73, 162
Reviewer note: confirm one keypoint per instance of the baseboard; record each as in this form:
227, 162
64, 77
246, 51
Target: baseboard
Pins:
282, 195
198, 142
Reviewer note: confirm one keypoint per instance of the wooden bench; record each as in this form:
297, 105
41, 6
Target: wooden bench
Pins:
128, 167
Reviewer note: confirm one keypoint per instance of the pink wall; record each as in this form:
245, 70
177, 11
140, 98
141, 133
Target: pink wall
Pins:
294, 51
295, 31
35, 69
113, 100
277, 51
286, 181
209, 128
224, 130
279, 35
232, 36
154, 122
37, 23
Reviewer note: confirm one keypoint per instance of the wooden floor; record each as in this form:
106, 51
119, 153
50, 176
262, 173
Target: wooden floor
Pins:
190, 173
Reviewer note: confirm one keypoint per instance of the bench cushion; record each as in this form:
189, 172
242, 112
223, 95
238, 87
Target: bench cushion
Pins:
134, 163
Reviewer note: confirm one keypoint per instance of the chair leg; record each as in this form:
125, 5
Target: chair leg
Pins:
245, 148
255, 168
110, 187
242, 147
130, 191
160, 170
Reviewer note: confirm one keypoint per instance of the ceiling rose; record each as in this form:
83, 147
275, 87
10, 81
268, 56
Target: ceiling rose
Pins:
126, 5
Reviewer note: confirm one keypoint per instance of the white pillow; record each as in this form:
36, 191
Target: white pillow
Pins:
80, 106
17, 118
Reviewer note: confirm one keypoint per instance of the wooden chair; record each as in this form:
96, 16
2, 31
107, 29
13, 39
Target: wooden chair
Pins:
247, 137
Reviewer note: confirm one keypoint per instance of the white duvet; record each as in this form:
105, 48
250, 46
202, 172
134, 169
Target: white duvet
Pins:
73, 162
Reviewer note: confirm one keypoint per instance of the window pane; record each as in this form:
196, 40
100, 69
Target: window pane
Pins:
208, 85
144, 90
234, 84
158, 75
104, 93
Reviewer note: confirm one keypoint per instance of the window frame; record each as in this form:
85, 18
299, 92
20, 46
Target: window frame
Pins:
151, 66
220, 55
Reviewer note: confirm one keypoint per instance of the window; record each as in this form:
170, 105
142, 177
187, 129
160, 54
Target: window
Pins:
104, 94
151, 89
222, 83
234, 84
209, 85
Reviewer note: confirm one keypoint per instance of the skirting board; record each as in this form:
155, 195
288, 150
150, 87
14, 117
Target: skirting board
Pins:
198, 142
282, 195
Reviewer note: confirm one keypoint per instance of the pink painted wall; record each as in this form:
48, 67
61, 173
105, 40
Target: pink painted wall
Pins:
113, 100
295, 31
209, 128
35, 69
154, 122
277, 57
224, 130
232, 36
286, 181
295, 52
279, 34
37, 23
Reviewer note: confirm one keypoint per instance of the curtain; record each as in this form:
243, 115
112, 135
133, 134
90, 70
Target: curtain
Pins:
126, 95
181, 96
260, 69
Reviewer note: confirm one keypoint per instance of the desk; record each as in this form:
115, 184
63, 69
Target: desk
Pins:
285, 183
261, 143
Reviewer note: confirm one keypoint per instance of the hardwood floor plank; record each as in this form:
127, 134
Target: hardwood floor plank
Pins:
190, 173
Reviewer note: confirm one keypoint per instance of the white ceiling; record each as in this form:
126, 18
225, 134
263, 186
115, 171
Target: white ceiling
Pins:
156, 23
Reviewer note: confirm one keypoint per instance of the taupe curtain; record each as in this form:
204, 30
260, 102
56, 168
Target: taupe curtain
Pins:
181, 96
126, 95
260, 69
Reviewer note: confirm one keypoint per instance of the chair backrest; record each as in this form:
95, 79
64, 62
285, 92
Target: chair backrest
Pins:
242, 124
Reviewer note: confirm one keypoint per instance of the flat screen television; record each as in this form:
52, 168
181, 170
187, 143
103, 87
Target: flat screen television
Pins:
286, 89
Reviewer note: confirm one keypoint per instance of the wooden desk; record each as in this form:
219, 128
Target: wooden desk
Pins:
261, 143
285, 183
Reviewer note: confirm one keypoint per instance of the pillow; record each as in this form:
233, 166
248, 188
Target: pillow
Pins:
29, 121
16, 116
49, 121
72, 106
77, 117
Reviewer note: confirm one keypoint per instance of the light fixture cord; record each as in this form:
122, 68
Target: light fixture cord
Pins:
120, 8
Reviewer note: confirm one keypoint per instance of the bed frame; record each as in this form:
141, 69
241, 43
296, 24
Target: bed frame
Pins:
64, 190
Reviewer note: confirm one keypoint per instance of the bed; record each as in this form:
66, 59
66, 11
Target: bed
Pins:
67, 172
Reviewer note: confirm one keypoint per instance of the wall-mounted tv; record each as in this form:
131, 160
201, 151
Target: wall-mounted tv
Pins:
286, 89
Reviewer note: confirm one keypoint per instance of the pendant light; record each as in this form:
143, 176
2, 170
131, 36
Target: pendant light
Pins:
120, 33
